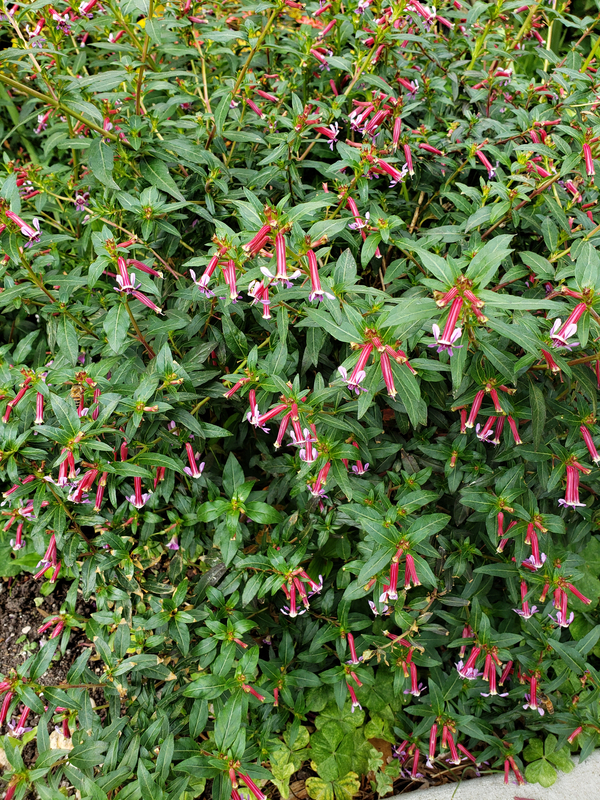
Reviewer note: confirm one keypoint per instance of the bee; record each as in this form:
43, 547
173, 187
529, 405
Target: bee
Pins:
77, 392
547, 703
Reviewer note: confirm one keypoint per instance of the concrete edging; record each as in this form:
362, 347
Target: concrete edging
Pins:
583, 783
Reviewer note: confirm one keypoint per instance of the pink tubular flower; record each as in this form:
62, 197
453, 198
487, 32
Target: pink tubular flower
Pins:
331, 133
532, 701
396, 175
358, 373
100, 491
515, 430
410, 574
283, 426
57, 623
484, 433
571, 498
551, 363
577, 593
455, 758
202, 282
589, 161
39, 409
560, 334
486, 163
525, 611
254, 107
230, 392
589, 443
260, 422
353, 698
258, 241
249, 690
16, 400
138, 499
133, 262
451, 333
281, 276
5, 706
229, 273
468, 670
317, 293
575, 734
432, 744
31, 231
318, 487
253, 787
354, 659
77, 495
260, 293
409, 160
429, 149
396, 132
475, 408
194, 471
386, 371
510, 764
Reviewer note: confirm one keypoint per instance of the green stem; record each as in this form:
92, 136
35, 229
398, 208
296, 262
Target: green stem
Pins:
140, 80
45, 98
140, 335
586, 63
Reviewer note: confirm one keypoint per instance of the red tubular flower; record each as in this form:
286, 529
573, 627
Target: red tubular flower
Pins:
486, 163
450, 295
276, 696
258, 241
515, 430
410, 573
575, 734
283, 426
39, 409
415, 767
475, 408
270, 414
589, 162
396, 132
351, 645
253, 787
5, 706
432, 744
551, 363
429, 149
100, 490
451, 333
386, 371
408, 157
589, 443
249, 690
571, 497
506, 672
578, 594
229, 273
254, 107
515, 769
230, 392
455, 758
16, 400
353, 698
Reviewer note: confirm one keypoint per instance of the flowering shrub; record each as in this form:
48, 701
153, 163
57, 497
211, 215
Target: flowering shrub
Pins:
299, 376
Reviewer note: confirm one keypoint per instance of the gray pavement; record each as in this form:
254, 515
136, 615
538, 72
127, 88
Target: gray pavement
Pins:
583, 783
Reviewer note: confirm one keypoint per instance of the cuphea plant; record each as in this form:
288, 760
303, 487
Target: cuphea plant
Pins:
299, 378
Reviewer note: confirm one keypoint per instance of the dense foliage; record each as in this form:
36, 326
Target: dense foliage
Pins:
299, 378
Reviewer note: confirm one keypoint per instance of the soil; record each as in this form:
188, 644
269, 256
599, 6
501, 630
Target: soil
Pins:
20, 618
23, 611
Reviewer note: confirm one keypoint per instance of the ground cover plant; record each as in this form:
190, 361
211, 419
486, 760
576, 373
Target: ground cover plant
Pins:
299, 371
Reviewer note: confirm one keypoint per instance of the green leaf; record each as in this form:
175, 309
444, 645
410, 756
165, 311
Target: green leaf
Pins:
438, 267
262, 512
572, 658
116, 325
487, 260
87, 755
227, 723
66, 337
538, 413
159, 460
157, 174
541, 772
66, 414
101, 161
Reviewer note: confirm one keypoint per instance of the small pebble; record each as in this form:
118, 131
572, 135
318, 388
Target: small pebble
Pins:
26, 629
